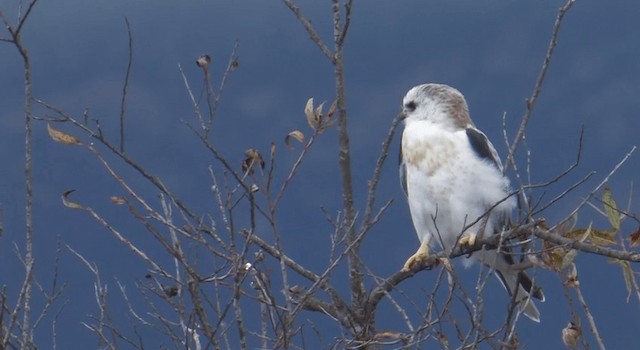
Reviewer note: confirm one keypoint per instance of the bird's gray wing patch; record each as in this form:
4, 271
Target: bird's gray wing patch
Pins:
483, 148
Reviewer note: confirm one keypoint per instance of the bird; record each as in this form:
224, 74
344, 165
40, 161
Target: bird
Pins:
454, 183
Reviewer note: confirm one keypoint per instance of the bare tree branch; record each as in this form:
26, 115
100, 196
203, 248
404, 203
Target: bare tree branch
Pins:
531, 101
125, 86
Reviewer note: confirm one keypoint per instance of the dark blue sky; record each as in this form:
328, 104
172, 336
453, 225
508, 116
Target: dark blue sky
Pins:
490, 50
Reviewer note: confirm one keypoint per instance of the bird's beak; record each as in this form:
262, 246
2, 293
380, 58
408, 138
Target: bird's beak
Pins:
402, 114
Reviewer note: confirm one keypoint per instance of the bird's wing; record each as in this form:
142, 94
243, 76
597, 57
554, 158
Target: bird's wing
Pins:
483, 147
485, 150
511, 281
402, 172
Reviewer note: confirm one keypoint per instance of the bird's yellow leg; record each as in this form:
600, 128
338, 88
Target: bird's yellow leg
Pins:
419, 257
468, 239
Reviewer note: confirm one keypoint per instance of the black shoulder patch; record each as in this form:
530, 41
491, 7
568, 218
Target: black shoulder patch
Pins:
480, 145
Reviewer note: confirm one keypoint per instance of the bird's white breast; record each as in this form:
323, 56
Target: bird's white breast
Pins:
448, 185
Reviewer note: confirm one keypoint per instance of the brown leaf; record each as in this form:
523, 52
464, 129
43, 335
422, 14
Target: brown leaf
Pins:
69, 204
568, 258
252, 158
318, 113
611, 209
203, 61
594, 236
311, 116
295, 134
62, 137
628, 275
635, 238
332, 109
553, 257
572, 276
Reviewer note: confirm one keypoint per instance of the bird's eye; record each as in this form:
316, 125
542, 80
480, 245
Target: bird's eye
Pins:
410, 106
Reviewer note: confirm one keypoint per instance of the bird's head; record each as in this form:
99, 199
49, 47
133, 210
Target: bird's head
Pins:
437, 103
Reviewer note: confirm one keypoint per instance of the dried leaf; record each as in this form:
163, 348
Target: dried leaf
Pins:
332, 109
318, 113
252, 158
272, 150
69, 204
171, 291
311, 116
627, 274
611, 209
594, 236
117, 200
296, 134
572, 276
553, 257
327, 123
568, 258
635, 238
62, 137
570, 335
567, 225
203, 61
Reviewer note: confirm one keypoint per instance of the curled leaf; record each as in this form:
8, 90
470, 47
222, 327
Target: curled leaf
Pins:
315, 117
203, 61
309, 113
62, 137
570, 335
117, 200
295, 134
611, 209
69, 204
252, 157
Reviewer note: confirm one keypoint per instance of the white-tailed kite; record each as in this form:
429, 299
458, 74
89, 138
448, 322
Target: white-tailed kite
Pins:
452, 177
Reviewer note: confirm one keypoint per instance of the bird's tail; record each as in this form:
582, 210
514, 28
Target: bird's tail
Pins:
518, 283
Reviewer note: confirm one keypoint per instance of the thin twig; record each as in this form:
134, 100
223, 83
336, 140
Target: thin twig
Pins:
592, 322
125, 86
598, 187
309, 28
531, 101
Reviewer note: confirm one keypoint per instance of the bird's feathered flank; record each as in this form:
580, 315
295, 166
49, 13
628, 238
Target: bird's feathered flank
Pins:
452, 176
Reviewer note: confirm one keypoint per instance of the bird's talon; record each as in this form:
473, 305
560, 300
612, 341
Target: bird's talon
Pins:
417, 259
468, 239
